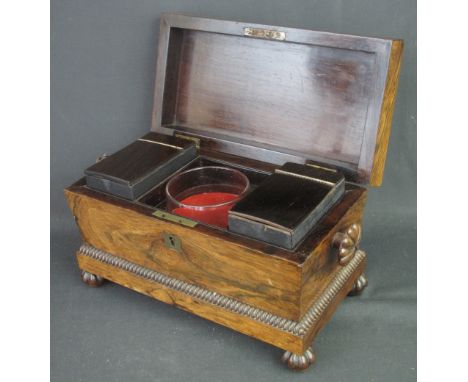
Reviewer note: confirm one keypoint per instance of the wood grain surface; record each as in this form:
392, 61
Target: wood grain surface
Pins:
241, 323
314, 95
221, 316
321, 265
328, 313
225, 267
386, 114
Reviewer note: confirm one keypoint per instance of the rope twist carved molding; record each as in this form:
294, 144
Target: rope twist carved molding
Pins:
298, 328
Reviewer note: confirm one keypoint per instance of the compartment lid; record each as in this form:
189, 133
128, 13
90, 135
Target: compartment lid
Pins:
278, 94
142, 158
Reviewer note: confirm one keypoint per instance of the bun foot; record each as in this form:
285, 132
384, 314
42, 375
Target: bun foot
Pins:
299, 361
358, 286
91, 279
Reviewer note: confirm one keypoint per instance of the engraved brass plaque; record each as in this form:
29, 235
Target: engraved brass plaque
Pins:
264, 33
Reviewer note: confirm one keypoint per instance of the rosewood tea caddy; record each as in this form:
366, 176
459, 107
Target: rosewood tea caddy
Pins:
253, 98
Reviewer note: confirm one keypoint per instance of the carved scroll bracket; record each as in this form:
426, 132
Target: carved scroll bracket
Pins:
347, 243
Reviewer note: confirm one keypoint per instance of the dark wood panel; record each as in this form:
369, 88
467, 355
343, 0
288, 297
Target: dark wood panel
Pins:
140, 158
275, 93
315, 95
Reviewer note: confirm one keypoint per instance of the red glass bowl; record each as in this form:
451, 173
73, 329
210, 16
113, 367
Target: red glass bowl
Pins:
206, 194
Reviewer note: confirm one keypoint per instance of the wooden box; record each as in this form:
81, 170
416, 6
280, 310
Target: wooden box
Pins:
252, 97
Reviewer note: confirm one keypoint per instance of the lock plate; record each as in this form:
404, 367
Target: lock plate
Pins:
172, 241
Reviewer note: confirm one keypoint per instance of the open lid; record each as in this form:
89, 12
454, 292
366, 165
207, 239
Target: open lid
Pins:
278, 94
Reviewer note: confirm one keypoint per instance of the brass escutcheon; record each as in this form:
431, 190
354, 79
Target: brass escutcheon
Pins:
172, 241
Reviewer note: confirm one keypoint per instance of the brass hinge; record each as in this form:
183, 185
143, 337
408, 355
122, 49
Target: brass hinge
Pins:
188, 138
174, 218
327, 183
264, 33
321, 167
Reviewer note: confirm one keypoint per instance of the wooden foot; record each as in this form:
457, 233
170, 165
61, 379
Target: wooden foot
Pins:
91, 279
358, 286
299, 361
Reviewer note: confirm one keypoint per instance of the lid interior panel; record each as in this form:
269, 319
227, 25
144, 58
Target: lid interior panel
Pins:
316, 97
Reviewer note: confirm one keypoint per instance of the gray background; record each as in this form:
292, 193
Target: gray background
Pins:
102, 77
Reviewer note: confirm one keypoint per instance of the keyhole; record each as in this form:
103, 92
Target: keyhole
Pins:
172, 241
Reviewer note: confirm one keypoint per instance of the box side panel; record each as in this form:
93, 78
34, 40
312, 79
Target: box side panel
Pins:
330, 309
260, 231
250, 276
240, 323
110, 187
323, 262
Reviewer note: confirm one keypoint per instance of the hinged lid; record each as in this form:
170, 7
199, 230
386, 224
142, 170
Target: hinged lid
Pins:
278, 94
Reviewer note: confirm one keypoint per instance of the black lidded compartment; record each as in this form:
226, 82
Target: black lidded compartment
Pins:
285, 206
138, 167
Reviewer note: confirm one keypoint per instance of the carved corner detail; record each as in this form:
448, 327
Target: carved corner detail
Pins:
347, 243
299, 361
91, 279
